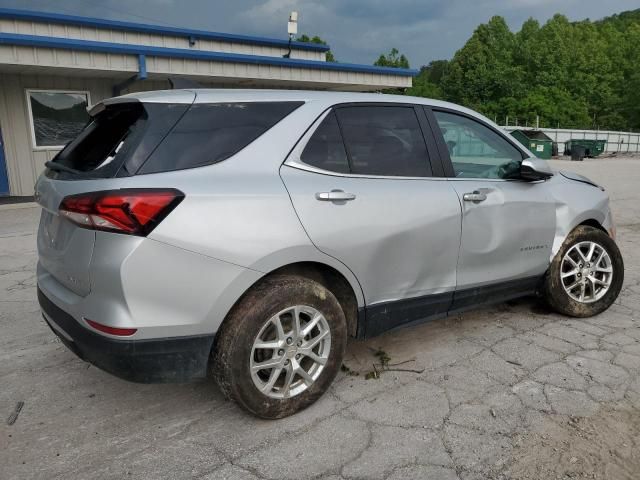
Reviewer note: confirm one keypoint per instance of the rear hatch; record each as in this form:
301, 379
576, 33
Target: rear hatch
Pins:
115, 143
64, 249
127, 137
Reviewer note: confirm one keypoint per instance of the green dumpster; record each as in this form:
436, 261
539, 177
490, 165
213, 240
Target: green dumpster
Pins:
592, 148
536, 141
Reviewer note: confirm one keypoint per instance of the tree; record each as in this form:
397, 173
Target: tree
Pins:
573, 74
483, 71
316, 39
427, 82
630, 84
393, 59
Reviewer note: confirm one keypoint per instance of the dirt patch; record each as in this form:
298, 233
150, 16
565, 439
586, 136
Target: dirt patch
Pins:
604, 446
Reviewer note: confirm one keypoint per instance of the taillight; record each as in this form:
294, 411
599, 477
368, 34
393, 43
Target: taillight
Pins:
120, 332
130, 211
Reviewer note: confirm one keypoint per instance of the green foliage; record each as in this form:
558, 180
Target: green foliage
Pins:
572, 74
392, 59
316, 39
427, 82
483, 71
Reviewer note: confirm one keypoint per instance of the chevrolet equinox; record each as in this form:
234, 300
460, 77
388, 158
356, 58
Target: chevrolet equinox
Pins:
246, 234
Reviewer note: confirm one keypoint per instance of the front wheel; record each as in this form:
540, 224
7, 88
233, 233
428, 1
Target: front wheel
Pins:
281, 346
586, 274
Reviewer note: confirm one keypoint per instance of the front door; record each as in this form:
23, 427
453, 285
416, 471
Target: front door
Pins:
4, 180
508, 225
371, 202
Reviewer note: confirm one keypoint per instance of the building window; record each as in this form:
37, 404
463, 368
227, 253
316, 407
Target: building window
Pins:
56, 117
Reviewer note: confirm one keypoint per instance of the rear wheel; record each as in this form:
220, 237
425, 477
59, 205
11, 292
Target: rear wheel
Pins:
281, 346
586, 275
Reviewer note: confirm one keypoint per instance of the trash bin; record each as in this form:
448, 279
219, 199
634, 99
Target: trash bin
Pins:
536, 141
577, 153
592, 148
554, 149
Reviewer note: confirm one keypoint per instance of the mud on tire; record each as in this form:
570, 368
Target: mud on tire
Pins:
553, 290
234, 352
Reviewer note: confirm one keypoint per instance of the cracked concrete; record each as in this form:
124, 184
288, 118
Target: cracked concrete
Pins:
507, 392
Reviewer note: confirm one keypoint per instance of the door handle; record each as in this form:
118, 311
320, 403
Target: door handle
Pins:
335, 196
474, 196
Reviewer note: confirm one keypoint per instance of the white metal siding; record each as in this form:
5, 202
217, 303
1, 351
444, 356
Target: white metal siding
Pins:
138, 38
125, 65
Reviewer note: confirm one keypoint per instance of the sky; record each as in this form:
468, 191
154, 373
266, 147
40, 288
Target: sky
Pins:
357, 30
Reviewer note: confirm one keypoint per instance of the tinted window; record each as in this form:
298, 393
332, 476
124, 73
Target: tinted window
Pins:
210, 133
325, 149
476, 151
384, 141
57, 117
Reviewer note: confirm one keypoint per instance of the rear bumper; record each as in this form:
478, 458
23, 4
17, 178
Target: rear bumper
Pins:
161, 360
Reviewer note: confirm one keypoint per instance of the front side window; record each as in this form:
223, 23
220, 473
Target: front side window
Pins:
57, 117
476, 151
384, 140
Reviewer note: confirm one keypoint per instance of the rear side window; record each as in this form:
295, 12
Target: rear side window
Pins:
117, 140
210, 133
384, 140
325, 149
99, 142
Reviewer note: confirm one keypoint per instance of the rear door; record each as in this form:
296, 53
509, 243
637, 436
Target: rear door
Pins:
508, 224
363, 185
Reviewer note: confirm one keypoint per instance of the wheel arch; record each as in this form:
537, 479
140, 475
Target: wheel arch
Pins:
592, 222
567, 223
341, 282
333, 280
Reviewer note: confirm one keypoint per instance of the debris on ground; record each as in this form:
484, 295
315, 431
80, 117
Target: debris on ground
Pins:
345, 368
385, 365
14, 415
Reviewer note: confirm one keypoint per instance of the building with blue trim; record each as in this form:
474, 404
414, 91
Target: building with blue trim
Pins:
52, 66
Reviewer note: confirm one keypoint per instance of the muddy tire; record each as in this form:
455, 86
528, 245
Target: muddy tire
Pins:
586, 275
280, 347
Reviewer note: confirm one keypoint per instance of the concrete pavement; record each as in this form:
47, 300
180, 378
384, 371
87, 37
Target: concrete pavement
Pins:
511, 391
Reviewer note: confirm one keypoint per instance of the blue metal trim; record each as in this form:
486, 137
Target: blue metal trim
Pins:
119, 48
142, 67
29, 15
4, 178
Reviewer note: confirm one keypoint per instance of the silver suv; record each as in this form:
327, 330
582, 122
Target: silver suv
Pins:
247, 234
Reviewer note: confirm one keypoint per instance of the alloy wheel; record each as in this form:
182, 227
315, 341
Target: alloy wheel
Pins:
290, 351
586, 272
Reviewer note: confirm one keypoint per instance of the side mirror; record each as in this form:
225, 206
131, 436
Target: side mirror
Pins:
535, 169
